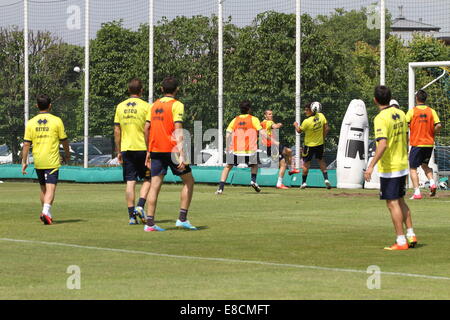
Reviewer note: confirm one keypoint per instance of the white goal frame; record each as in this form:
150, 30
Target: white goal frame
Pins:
412, 93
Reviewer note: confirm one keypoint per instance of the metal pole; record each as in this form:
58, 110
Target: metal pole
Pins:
297, 80
220, 84
26, 64
86, 84
151, 53
411, 86
383, 43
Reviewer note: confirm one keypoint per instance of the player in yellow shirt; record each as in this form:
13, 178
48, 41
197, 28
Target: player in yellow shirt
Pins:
316, 128
45, 132
391, 133
129, 122
242, 145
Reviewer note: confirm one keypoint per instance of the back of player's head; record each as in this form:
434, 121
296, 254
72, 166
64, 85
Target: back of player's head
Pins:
169, 85
382, 95
421, 96
245, 107
308, 106
135, 86
43, 102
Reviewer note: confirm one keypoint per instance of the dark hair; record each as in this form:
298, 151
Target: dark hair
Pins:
383, 95
135, 86
169, 85
421, 96
267, 110
308, 106
43, 102
245, 107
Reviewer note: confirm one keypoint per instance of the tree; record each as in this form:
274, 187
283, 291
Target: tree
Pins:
49, 74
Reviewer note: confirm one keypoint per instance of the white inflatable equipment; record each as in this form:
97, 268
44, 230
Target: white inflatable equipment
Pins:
353, 147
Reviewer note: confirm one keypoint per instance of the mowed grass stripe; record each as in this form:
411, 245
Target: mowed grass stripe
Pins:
225, 260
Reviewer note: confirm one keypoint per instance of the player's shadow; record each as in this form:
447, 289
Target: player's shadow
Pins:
199, 228
68, 221
420, 245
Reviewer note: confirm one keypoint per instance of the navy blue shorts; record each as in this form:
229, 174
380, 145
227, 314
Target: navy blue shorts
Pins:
134, 166
161, 161
49, 176
279, 149
392, 188
309, 152
419, 156
235, 160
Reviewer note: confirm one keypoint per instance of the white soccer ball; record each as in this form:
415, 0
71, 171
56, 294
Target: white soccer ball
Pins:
316, 107
77, 69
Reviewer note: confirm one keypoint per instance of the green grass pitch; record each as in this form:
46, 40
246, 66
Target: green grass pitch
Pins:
280, 244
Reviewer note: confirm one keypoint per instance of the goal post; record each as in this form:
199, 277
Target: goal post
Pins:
412, 66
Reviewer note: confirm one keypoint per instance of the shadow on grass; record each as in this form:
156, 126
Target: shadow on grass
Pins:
199, 228
68, 221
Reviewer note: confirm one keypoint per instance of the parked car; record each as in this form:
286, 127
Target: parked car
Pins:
102, 160
5, 154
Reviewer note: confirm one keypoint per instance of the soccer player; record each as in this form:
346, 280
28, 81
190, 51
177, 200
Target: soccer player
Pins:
316, 128
164, 133
423, 123
129, 122
392, 157
45, 132
274, 148
242, 145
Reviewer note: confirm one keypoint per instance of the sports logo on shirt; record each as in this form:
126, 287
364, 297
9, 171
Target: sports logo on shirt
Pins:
41, 122
161, 110
396, 116
131, 104
423, 115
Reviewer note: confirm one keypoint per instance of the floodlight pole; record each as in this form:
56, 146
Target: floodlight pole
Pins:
86, 85
26, 62
297, 80
220, 83
151, 52
382, 42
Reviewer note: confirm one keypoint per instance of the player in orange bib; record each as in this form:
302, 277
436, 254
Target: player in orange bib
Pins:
242, 145
274, 148
164, 137
423, 123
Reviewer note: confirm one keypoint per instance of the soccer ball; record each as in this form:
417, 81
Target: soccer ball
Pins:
316, 107
443, 185
77, 69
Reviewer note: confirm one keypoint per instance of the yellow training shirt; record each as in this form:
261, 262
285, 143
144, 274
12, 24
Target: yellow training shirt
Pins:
313, 129
390, 124
45, 131
130, 116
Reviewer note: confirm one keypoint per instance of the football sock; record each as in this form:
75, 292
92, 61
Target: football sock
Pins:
183, 215
417, 191
304, 178
432, 182
325, 175
46, 209
254, 177
131, 212
401, 240
221, 185
410, 232
141, 202
150, 221
280, 181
